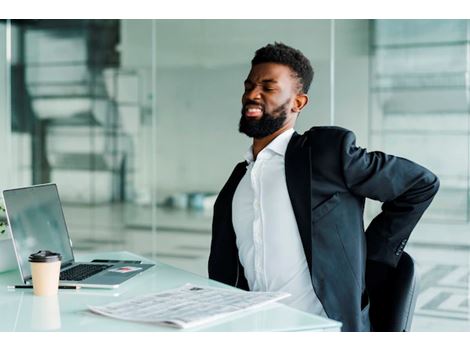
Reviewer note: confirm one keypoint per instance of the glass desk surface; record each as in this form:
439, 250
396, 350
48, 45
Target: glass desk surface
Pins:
22, 311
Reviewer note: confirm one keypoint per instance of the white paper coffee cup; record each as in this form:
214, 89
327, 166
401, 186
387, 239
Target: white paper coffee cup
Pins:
45, 270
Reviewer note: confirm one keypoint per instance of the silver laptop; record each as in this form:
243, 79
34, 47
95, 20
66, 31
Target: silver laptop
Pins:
37, 222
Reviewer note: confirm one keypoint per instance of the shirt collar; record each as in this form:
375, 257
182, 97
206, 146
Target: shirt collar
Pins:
278, 145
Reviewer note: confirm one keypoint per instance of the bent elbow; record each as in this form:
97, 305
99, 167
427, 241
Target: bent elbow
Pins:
435, 184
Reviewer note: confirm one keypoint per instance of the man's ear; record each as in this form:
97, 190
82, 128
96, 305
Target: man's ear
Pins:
300, 101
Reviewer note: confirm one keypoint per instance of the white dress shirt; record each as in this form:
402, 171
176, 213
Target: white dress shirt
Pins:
268, 238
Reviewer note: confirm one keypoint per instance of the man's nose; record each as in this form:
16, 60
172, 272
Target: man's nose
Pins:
253, 94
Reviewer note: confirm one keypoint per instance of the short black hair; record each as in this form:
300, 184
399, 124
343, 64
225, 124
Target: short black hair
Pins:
286, 55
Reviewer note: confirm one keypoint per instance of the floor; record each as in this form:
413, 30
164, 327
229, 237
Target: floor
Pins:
182, 239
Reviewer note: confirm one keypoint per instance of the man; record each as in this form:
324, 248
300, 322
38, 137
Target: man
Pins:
290, 217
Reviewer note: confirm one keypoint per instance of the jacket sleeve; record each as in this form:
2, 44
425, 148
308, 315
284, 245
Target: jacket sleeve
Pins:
405, 188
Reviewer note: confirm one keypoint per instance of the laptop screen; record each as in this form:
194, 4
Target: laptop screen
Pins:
36, 222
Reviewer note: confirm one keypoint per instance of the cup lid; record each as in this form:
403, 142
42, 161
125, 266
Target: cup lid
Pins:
44, 256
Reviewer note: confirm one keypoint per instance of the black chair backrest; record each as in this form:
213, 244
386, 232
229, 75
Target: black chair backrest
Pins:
392, 294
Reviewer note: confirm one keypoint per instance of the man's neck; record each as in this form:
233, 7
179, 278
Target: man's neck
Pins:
260, 143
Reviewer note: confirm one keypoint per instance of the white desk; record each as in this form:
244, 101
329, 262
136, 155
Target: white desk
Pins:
22, 311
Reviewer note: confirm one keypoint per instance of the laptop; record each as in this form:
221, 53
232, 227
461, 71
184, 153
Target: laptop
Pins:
37, 222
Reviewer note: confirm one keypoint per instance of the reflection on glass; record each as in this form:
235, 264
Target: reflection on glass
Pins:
45, 313
81, 107
419, 98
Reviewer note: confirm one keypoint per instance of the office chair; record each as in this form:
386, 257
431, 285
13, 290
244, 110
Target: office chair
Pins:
392, 294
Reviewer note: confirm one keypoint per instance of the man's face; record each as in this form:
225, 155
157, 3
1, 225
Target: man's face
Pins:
270, 91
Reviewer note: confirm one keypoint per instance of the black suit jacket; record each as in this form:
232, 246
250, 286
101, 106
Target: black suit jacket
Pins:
328, 178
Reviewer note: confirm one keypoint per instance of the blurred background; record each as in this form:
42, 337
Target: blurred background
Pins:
137, 123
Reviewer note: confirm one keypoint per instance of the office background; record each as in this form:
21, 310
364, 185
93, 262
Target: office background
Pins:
136, 121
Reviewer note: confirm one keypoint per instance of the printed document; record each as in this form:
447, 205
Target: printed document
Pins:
187, 306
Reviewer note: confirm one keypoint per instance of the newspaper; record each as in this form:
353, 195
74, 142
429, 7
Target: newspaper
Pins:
187, 306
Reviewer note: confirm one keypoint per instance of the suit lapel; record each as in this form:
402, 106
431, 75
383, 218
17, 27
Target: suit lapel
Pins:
224, 264
297, 167
234, 180
228, 191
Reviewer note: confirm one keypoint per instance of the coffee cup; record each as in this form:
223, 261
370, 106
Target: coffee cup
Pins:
45, 270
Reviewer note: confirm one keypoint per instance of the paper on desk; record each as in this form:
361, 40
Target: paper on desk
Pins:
187, 306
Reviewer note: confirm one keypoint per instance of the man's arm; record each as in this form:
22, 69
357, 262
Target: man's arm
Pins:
405, 188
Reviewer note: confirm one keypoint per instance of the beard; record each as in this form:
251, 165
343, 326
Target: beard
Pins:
265, 125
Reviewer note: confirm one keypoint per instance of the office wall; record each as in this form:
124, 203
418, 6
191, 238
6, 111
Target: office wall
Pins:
201, 66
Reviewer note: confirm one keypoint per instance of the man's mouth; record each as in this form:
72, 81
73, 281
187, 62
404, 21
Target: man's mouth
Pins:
253, 111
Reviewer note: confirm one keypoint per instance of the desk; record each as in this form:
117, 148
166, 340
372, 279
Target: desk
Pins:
22, 311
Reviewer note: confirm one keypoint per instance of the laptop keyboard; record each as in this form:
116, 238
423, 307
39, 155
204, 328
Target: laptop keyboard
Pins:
81, 272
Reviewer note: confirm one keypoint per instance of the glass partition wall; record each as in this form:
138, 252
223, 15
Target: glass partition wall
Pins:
137, 123
420, 109
420, 103
79, 116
